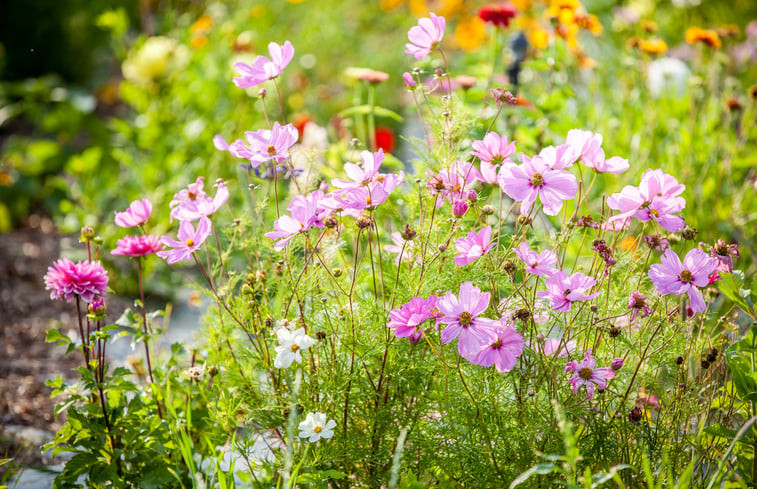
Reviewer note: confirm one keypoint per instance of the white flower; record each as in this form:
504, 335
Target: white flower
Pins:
315, 427
290, 346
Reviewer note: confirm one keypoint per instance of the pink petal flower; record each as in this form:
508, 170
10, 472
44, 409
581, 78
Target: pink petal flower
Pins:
136, 215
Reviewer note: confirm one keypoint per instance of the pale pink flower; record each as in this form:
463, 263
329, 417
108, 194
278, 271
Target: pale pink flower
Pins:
585, 373
361, 176
136, 246
264, 69
558, 157
541, 264
66, 280
305, 213
656, 198
189, 241
493, 151
136, 215
450, 183
200, 206
460, 314
426, 36
473, 246
588, 147
266, 145
562, 290
402, 246
557, 347
673, 277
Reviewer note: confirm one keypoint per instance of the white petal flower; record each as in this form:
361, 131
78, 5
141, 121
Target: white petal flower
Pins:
291, 344
315, 427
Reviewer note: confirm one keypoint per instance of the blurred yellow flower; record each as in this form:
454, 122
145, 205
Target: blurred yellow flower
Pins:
653, 46
649, 26
418, 7
628, 243
589, 22
470, 33
388, 5
563, 10
198, 42
449, 8
156, 57
201, 25
696, 34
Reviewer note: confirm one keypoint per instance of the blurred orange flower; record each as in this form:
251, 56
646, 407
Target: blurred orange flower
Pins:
470, 33
696, 34
653, 46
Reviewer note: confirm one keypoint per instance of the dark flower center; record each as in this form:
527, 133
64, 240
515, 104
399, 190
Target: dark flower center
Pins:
466, 318
271, 149
537, 179
497, 344
567, 292
191, 195
585, 373
686, 277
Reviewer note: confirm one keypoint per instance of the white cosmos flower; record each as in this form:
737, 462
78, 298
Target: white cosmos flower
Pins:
291, 344
315, 427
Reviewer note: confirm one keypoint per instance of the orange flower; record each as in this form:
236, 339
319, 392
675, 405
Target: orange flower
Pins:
696, 34
563, 10
198, 42
628, 243
201, 25
728, 30
649, 26
653, 46
470, 33
589, 22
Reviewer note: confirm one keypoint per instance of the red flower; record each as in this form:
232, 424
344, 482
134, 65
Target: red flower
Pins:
385, 139
498, 14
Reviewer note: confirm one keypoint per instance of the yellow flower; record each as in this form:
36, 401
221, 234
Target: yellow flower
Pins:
470, 33
563, 10
198, 42
589, 22
201, 25
628, 243
388, 5
649, 26
653, 46
450, 8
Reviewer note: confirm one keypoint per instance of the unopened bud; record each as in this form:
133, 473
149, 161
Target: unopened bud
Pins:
459, 208
524, 220
213, 370
488, 209
689, 233
408, 234
320, 335
87, 234
337, 272
364, 221
471, 195
330, 222
262, 93
442, 248
617, 364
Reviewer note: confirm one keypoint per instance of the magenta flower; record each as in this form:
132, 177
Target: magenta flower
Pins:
504, 351
493, 151
360, 176
189, 241
459, 208
136, 215
638, 305
562, 291
266, 145
541, 264
66, 280
136, 246
264, 69
722, 252
584, 373
200, 206
473, 246
534, 178
450, 183
405, 320
410, 82
426, 36
460, 314
673, 277
558, 348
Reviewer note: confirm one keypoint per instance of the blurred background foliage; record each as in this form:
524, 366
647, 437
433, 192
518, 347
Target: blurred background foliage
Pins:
102, 103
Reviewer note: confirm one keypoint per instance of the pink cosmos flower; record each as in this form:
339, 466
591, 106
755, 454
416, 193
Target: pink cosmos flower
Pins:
562, 291
585, 373
66, 280
266, 145
722, 252
136, 215
541, 264
504, 351
136, 246
401, 245
638, 305
588, 147
353, 201
264, 69
200, 206
493, 151
360, 176
410, 82
405, 320
189, 241
473, 246
305, 213
558, 157
656, 198
556, 347
450, 183
426, 36
460, 314
673, 277
192, 192
534, 178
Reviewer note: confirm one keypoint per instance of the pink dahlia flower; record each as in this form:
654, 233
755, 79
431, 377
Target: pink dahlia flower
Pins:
673, 277
66, 280
562, 291
264, 69
535, 178
460, 314
473, 246
504, 351
541, 264
426, 36
136, 246
189, 241
136, 215
585, 373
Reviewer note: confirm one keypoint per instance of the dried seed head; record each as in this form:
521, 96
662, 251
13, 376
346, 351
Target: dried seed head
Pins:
408, 234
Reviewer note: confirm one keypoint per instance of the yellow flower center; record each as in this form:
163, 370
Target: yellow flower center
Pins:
317, 429
190, 243
295, 347
686, 277
537, 179
466, 318
496, 344
271, 149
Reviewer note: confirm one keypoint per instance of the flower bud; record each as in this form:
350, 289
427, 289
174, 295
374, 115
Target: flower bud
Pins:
459, 208
689, 233
269, 322
617, 364
98, 240
531, 393
679, 360
488, 209
337, 272
262, 93
509, 267
330, 222
408, 234
442, 248
213, 370
320, 335
87, 234
635, 415
524, 220
364, 221
97, 307
471, 195
260, 275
